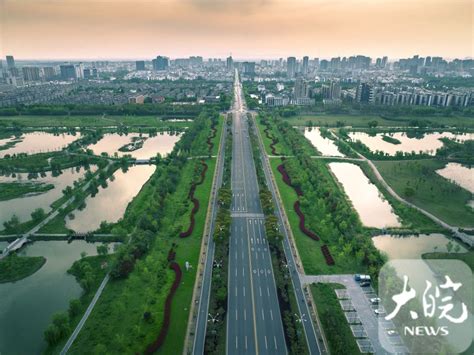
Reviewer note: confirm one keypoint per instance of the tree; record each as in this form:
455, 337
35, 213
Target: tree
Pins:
103, 249
373, 124
38, 214
409, 191
52, 334
74, 308
13, 224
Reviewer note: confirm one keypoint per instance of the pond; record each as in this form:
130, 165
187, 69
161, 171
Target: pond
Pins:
459, 174
373, 209
428, 143
413, 246
325, 146
40, 142
162, 143
23, 206
110, 203
26, 306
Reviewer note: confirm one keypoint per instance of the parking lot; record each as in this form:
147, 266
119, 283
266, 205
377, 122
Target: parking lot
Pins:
359, 312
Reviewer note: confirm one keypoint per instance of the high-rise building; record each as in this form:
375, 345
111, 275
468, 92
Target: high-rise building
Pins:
305, 64
301, 88
365, 93
68, 71
10, 62
384, 61
140, 65
291, 67
229, 63
31, 73
49, 73
331, 91
160, 63
249, 68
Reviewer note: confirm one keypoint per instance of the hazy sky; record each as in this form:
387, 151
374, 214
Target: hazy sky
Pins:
81, 29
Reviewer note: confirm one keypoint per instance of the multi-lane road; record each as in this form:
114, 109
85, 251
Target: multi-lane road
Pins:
254, 324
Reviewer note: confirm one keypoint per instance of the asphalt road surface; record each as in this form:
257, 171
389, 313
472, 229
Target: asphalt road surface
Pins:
254, 324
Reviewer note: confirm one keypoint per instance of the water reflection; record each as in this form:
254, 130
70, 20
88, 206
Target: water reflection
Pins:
39, 142
26, 306
162, 143
459, 174
428, 143
110, 203
325, 146
373, 210
23, 206
413, 246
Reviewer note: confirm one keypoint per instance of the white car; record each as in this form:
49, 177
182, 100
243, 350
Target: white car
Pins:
375, 300
379, 312
392, 332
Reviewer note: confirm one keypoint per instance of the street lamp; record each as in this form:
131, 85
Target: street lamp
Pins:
213, 319
302, 319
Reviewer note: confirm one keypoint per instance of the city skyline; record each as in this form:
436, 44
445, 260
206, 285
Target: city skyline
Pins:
249, 30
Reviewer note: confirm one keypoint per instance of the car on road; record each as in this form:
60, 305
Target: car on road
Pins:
375, 300
392, 332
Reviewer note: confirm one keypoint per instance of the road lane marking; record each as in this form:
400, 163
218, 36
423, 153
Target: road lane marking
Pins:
263, 315
245, 342
275, 340
236, 316
266, 344
260, 289
271, 314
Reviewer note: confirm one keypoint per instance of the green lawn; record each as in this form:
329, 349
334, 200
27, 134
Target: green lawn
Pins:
309, 249
11, 190
89, 121
337, 330
280, 147
14, 267
418, 182
217, 138
332, 120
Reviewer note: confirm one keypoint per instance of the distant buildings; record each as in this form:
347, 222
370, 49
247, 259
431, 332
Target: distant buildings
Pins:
291, 67
49, 73
160, 63
68, 72
10, 62
332, 91
140, 65
229, 63
305, 65
301, 89
248, 68
31, 73
365, 93
139, 99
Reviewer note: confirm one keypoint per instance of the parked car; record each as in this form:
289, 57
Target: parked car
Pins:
375, 300
379, 312
364, 284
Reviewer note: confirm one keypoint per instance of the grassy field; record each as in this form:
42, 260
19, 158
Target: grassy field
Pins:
363, 120
418, 182
11, 190
124, 302
14, 268
309, 249
338, 333
280, 147
88, 121
217, 138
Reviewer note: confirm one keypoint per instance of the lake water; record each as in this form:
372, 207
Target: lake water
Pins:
26, 306
373, 210
459, 174
428, 144
110, 203
325, 146
23, 206
40, 142
162, 143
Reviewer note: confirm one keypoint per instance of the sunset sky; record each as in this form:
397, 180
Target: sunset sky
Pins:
129, 29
